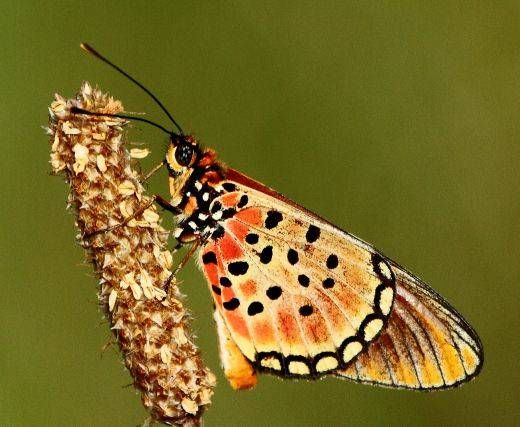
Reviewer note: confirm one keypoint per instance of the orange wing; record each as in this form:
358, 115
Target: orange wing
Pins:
299, 297
295, 298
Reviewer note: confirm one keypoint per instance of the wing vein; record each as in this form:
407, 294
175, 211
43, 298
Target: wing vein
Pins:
416, 372
433, 347
384, 356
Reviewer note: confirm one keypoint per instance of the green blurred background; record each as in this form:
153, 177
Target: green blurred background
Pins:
398, 121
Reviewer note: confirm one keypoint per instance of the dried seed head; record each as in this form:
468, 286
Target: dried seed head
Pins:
132, 261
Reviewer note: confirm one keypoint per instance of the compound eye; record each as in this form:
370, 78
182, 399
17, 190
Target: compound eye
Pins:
184, 154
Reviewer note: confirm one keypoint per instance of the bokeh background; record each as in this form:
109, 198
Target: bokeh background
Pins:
398, 121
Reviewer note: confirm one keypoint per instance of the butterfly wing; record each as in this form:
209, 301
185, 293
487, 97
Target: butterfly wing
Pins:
425, 345
296, 298
299, 297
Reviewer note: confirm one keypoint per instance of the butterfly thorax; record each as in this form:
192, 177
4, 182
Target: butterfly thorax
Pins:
193, 190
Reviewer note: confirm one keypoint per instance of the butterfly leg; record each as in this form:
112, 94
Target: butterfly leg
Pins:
152, 172
166, 205
183, 262
187, 256
154, 199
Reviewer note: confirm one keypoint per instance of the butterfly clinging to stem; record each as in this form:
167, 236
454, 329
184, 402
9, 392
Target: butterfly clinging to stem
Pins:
295, 295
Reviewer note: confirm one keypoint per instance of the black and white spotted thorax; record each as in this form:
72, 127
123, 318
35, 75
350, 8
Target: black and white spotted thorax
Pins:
203, 222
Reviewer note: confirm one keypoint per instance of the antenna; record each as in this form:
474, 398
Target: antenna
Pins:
77, 110
89, 49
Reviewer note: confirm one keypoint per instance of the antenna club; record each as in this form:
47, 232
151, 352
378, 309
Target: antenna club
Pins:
89, 49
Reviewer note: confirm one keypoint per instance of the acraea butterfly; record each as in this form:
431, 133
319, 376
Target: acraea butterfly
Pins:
296, 296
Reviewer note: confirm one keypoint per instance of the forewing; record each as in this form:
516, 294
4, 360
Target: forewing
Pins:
298, 296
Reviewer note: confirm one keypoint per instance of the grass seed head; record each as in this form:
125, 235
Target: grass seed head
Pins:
131, 261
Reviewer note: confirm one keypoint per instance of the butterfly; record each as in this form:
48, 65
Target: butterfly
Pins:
298, 297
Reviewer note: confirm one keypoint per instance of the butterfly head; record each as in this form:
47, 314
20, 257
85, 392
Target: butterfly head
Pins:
182, 154
189, 166
181, 158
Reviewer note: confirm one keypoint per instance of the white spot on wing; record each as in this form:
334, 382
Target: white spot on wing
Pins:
326, 364
351, 350
372, 329
385, 270
271, 362
298, 368
385, 302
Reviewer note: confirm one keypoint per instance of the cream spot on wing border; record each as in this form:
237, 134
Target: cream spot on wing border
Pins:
372, 328
326, 363
299, 368
385, 300
351, 350
385, 270
271, 363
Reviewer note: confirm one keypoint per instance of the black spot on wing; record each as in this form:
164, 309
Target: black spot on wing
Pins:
303, 280
228, 213
273, 218
328, 283
232, 304
292, 256
209, 258
266, 255
274, 292
216, 207
243, 201
255, 308
228, 186
306, 310
218, 233
313, 234
238, 268
332, 261
224, 281
252, 238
